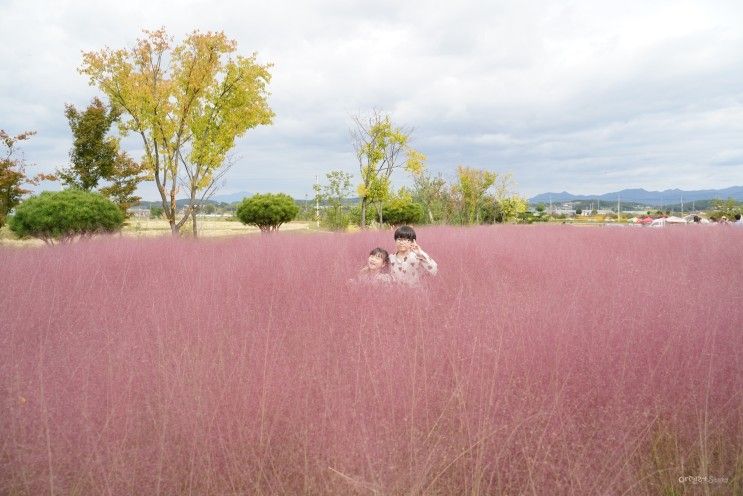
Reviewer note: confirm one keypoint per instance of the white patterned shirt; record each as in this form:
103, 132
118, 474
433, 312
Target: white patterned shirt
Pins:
409, 268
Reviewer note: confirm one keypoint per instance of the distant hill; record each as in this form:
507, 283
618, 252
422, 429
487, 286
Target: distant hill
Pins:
645, 197
238, 197
216, 199
231, 197
179, 203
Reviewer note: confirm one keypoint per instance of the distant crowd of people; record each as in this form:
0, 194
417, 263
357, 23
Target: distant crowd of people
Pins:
738, 222
407, 265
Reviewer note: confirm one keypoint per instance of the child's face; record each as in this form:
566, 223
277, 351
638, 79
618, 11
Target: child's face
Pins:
403, 245
374, 262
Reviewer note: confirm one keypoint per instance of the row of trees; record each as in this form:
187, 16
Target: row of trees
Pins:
381, 148
188, 103
475, 196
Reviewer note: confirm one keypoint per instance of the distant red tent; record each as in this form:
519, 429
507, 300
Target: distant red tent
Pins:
645, 220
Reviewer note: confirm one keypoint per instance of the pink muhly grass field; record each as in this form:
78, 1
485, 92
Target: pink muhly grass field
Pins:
541, 360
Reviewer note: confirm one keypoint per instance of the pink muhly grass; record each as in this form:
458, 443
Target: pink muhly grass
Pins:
540, 360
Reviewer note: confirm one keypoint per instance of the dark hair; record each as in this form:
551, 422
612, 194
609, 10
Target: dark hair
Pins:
405, 232
381, 253
737, 216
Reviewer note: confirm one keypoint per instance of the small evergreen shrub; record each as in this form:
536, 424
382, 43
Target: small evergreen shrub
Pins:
400, 211
62, 216
267, 211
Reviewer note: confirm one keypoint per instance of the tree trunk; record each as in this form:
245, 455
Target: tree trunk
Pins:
174, 226
363, 212
170, 212
169, 208
193, 211
193, 221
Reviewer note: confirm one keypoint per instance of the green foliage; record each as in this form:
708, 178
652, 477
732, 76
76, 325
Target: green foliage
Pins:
527, 218
62, 216
489, 213
434, 195
95, 156
13, 173
335, 220
188, 103
578, 211
511, 208
123, 181
472, 184
725, 208
381, 148
400, 211
156, 212
267, 211
93, 152
508, 209
334, 195
354, 215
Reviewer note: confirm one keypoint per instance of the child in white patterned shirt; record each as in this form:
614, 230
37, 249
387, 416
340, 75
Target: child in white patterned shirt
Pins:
377, 268
410, 262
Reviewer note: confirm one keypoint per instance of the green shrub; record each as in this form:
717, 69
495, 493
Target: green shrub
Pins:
400, 211
65, 215
335, 219
267, 211
354, 215
156, 212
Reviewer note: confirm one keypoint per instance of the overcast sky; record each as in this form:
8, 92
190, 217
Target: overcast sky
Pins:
587, 96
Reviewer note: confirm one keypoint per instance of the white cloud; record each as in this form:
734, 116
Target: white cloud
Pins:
582, 95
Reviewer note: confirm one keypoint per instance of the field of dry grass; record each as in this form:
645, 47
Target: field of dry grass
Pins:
208, 228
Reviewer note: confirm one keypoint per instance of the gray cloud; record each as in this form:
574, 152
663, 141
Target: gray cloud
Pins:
585, 96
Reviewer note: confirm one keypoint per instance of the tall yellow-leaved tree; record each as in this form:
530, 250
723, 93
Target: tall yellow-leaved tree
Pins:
381, 148
188, 103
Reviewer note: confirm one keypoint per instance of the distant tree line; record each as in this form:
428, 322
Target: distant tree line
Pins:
475, 196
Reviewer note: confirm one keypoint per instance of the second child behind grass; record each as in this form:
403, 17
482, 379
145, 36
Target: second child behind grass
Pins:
377, 268
410, 262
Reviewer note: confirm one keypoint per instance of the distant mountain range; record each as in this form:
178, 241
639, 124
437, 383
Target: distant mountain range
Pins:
227, 198
216, 199
637, 195
665, 197
231, 197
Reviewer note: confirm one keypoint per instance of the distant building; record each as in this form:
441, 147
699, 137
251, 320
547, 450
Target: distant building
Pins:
139, 212
563, 211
